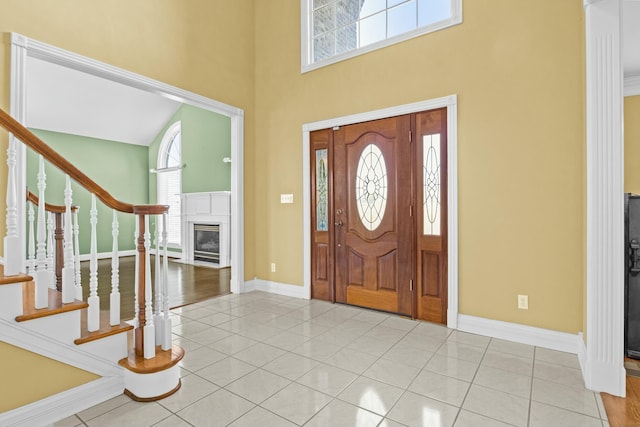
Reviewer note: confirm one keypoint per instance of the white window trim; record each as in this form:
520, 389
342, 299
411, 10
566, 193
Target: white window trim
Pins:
162, 151
306, 27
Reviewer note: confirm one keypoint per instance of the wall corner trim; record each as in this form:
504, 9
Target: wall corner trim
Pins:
539, 337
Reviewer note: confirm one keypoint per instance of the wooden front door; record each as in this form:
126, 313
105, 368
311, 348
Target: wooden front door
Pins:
373, 227
379, 215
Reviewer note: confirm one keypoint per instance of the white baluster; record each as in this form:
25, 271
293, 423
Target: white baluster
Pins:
12, 252
114, 307
136, 280
93, 317
149, 329
32, 241
51, 268
166, 328
157, 306
76, 255
68, 273
42, 275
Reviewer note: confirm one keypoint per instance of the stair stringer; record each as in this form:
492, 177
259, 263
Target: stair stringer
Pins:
68, 402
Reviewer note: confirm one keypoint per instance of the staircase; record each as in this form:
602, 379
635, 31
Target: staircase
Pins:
42, 306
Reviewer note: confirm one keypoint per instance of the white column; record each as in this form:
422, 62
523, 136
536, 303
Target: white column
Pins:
604, 362
114, 303
42, 275
68, 270
93, 316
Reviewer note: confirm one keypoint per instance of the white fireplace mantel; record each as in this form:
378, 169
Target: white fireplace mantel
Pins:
206, 208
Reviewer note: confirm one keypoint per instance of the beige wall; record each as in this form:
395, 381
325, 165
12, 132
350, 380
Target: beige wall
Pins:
518, 70
632, 144
43, 378
204, 46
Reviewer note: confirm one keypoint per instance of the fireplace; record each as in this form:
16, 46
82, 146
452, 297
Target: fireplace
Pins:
206, 227
206, 243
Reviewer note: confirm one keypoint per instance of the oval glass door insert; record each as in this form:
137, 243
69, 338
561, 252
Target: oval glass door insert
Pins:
371, 187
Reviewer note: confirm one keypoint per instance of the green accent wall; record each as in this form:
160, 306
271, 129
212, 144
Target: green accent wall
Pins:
121, 169
206, 140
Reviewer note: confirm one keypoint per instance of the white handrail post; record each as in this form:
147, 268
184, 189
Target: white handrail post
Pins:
76, 255
12, 253
149, 329
42, 275
51, 269
114, 306
31, 265
166, 328
68, 273
158, 288
93, 317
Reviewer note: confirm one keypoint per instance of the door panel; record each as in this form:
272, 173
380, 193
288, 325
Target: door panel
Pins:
431, 207
373, 227
321, 216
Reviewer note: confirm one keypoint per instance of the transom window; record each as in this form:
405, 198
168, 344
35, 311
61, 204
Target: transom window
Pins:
334, 30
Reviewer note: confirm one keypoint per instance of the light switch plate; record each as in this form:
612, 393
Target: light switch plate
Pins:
286, 198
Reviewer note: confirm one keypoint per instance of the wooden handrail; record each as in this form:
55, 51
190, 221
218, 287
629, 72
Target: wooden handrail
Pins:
47, 206
40, 147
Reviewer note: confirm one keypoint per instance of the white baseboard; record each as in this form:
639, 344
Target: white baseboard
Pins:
275, 288
546, 338
582, 354
105, 255
59, 406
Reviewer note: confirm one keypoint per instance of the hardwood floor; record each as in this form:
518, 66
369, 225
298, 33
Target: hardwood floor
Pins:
625, 411
187, 283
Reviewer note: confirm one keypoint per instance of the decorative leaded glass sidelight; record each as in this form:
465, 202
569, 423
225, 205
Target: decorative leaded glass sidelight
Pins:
322, 201
371, 187
431, 184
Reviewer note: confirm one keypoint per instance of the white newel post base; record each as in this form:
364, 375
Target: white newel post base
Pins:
146, 382
149, 387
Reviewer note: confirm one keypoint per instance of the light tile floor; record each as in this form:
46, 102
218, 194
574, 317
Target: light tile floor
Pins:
259, 359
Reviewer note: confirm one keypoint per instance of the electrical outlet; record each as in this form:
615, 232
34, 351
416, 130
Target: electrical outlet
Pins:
523, 302
273, 267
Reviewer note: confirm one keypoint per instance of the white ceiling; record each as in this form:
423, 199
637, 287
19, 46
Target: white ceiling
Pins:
631, 37
63, 100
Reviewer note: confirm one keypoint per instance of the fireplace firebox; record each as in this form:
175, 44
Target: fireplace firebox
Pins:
206, 242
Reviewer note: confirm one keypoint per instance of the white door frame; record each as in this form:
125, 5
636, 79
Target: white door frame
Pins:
451, 104
602, 359
23, 47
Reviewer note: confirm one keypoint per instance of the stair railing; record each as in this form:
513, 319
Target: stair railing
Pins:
59, 213
150, 330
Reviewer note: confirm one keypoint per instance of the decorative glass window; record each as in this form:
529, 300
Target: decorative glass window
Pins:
169, 181
322, 183
371, 187
333, 30
431, 184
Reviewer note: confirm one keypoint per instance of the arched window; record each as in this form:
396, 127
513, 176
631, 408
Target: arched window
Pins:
170, 181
